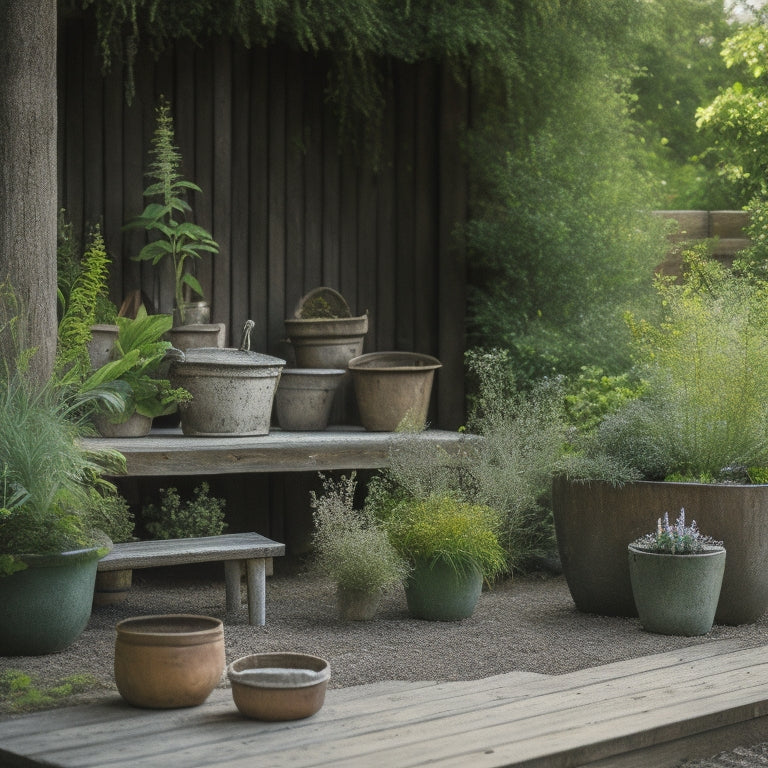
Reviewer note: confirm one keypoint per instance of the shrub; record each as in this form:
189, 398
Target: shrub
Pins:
203, 515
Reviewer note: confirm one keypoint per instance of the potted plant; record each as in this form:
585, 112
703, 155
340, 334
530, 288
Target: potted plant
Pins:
452, 547
694, 437
353, 550
138, 357
676, 575
48, 549
178, 239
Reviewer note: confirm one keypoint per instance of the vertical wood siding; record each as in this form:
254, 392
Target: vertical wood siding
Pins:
289, 210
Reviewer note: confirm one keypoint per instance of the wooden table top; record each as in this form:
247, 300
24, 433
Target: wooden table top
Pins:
169, 452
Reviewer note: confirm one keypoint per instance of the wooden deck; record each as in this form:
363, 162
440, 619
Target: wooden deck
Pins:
169, 452
649, 712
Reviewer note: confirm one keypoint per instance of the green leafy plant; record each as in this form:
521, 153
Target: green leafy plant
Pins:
178, 239
19, 691
444, 529
172, 518
677, 539
109, 512
703, 411
140, 351
47, 476
350, 547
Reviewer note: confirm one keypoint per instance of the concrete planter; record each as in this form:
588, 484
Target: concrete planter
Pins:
305, 396
438, 592
595, 522
676, 594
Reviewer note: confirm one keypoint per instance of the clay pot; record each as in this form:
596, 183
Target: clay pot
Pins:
393, 389
164, 662
279, 686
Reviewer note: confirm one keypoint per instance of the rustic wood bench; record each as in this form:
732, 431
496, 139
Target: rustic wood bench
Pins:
233, 549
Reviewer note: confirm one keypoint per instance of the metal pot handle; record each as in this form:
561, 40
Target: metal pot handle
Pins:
245, 339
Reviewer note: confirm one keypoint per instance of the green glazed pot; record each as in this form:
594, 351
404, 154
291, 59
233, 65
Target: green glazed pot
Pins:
45, 607
676, 594
438, 592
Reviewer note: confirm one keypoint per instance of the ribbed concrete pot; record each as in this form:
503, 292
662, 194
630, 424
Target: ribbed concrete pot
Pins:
595, 522
676, 594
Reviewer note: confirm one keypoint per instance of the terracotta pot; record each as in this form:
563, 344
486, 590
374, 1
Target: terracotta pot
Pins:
279, 686
168, 661
595, 521
393, 389
305, 396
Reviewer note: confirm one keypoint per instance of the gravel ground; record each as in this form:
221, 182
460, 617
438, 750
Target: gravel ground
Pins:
526, 624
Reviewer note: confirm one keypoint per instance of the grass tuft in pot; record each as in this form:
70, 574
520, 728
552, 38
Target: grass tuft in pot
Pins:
352, 549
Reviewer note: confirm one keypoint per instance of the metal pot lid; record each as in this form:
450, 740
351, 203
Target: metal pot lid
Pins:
229, 356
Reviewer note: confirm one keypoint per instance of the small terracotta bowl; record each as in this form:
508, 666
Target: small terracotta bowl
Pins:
279, 686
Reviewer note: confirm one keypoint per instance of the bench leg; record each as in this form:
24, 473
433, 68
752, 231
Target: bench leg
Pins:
256, 580
232, 579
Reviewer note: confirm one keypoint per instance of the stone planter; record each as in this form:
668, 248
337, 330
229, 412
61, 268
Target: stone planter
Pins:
102, 344
438, 592
393, 389
305, 396
186, 337
357, 604
232, 389
595, 522
137, 425
45, 607
676, 594
169, 661
195, 313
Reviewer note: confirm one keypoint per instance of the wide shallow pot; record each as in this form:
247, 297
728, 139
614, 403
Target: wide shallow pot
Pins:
325, 342
102, 344
357, 604
112, 587
170, 661
136, 425
305, 396
676, 594
594, 522
186, 337
45, 607
439, 592
232, 391
393, 389
279, 686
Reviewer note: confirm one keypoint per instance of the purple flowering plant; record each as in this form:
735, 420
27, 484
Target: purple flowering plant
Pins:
677, 539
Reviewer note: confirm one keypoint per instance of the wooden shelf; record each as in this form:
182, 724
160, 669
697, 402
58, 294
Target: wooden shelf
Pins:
169, 452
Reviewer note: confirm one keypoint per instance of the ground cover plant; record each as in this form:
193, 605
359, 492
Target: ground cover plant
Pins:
21, 692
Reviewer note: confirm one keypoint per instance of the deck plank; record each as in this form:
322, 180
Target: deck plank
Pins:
508, 720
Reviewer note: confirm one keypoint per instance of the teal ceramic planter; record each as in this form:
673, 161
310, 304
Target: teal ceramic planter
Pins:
676, 594
45, 607
438, 593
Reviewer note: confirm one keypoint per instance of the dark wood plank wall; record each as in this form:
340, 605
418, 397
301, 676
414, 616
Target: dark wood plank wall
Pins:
290, 205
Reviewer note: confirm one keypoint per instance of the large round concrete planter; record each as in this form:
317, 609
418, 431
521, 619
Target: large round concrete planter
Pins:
595, 522
438, 592
676, 594
393, 389
305, 396
232, 391
45, 607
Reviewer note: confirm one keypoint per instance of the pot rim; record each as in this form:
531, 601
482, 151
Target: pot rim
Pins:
369, 362
130, 629
708, 552
315, 664
228, 357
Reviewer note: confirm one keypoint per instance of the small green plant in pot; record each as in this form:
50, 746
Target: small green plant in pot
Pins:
178, 239
48, 548
453, 547
676, 574
353, 550
174, 518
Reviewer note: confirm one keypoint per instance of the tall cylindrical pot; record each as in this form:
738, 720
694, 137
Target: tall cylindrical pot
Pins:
676, 594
